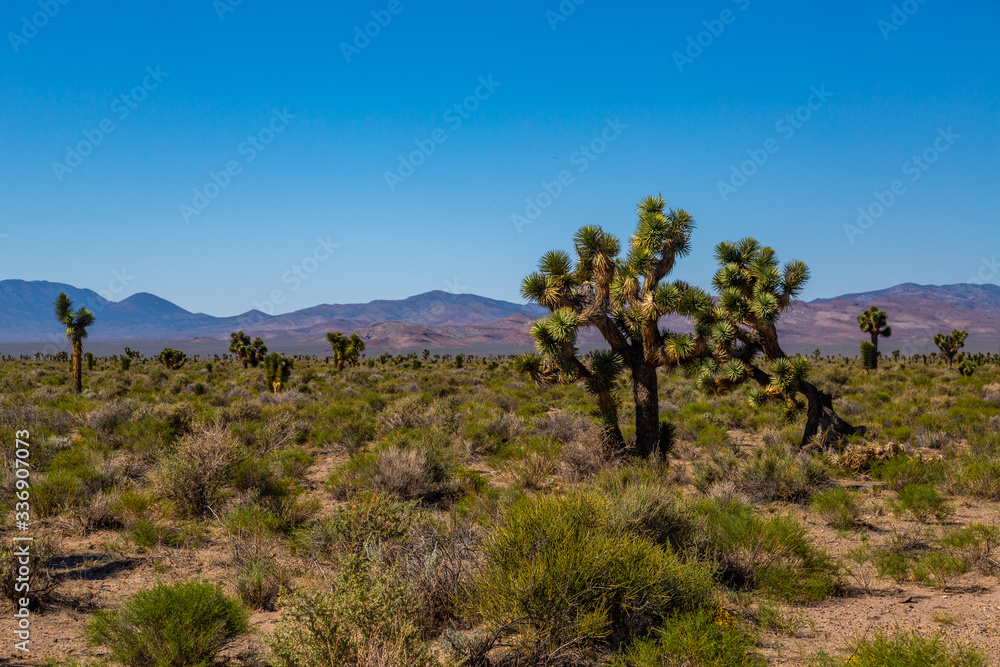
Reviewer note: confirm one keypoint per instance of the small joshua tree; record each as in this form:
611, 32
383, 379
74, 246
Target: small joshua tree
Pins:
277, 370
76, 323
869, 356
740, 337
950, 344
346, 351
250, 353
91, 361
875, 322
171, 359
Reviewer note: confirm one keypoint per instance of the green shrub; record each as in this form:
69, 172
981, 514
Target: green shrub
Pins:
185, 623
900, 471
921, 501
558, 574
769, 554
364, 619
376, 518
705, 637
839, 507
905, 649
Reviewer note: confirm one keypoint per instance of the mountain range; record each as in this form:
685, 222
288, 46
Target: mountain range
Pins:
445, 321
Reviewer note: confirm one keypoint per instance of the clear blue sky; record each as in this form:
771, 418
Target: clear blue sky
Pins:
682, 126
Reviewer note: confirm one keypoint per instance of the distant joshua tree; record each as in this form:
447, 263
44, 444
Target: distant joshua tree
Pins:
875, 322
171, 359
950, 344
250, 353
345, 350
76, 323
277, 370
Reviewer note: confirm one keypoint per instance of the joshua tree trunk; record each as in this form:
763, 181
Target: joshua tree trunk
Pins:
77, 366
647, 408
821, 417
875, 337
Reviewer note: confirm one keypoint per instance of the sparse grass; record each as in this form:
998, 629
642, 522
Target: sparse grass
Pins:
482, 496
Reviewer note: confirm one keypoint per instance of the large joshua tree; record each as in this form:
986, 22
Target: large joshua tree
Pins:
740, 340
76, 323
875, 322
624, 298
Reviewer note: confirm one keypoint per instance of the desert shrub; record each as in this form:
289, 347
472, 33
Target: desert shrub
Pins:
905, 649
534, 471
112, 415
642, 505
900, 471
977, 544
402, 472
979, 475
185, 623
564, 426
940, 568
43, 582
770, 554
365, 619
704, 637
776, 473
559, 577
375, 518
257, 576
772, 472
436, 562
839, 507
193, 477
922, 502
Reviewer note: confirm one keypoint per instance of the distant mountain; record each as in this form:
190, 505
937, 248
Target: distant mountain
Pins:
444, 321
977, 297
27, 315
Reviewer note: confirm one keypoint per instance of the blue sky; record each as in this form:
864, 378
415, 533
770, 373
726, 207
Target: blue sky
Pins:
619, 102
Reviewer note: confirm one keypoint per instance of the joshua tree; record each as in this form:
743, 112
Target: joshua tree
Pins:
624, 299
249, 352
345, 350
171, 359
277, 370
740, 338
875, 322
950, 344
91, 361
76, 323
